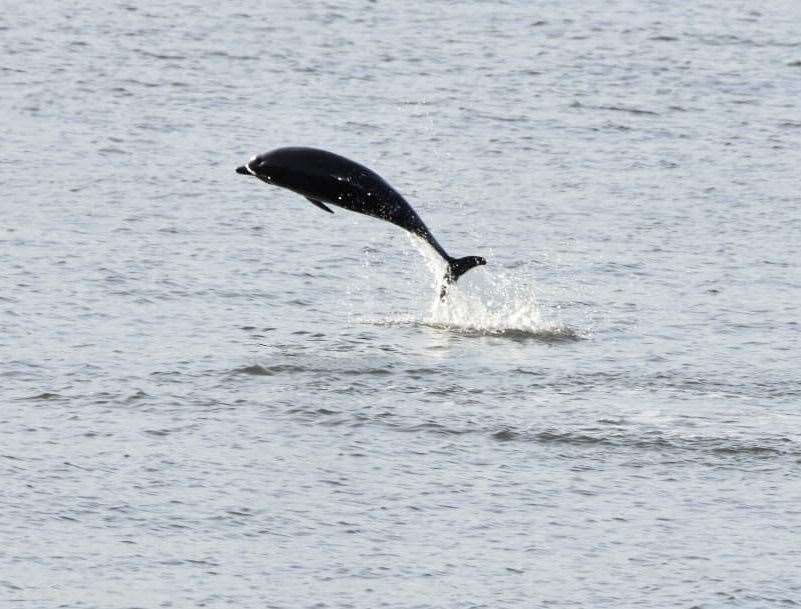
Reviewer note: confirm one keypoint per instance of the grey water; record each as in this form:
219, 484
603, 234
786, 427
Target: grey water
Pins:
212, 394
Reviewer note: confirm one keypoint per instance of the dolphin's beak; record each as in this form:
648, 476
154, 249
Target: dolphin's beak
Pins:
243, 170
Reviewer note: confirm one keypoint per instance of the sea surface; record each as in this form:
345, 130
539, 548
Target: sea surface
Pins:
212, 394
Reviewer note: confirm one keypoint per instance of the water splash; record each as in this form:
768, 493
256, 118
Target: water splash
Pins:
489, 302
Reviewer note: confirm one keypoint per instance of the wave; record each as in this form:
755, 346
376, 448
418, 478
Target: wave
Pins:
649, 443
653, 440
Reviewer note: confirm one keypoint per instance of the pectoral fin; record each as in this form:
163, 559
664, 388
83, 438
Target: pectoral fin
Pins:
321, 205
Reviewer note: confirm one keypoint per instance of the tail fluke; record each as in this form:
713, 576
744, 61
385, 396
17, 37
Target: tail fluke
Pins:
456, 268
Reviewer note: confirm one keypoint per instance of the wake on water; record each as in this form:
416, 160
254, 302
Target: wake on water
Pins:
497, 303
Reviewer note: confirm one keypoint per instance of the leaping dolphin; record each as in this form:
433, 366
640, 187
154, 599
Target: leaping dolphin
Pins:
325, 178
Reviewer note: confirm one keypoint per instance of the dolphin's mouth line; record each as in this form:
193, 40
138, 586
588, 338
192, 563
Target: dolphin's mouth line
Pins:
245, 170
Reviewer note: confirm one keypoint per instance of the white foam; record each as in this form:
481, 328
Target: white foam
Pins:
488, 301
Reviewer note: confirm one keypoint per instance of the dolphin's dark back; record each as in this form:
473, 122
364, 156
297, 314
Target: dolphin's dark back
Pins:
334, 179
328, 178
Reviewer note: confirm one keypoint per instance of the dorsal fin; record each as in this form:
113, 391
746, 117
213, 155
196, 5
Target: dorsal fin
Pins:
321, 205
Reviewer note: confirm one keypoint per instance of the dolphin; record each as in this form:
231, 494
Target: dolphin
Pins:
325, 178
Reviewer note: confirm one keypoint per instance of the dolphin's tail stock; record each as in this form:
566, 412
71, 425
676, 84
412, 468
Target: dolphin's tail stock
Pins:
456, 268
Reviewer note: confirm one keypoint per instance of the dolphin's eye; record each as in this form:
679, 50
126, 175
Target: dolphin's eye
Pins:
261, 170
